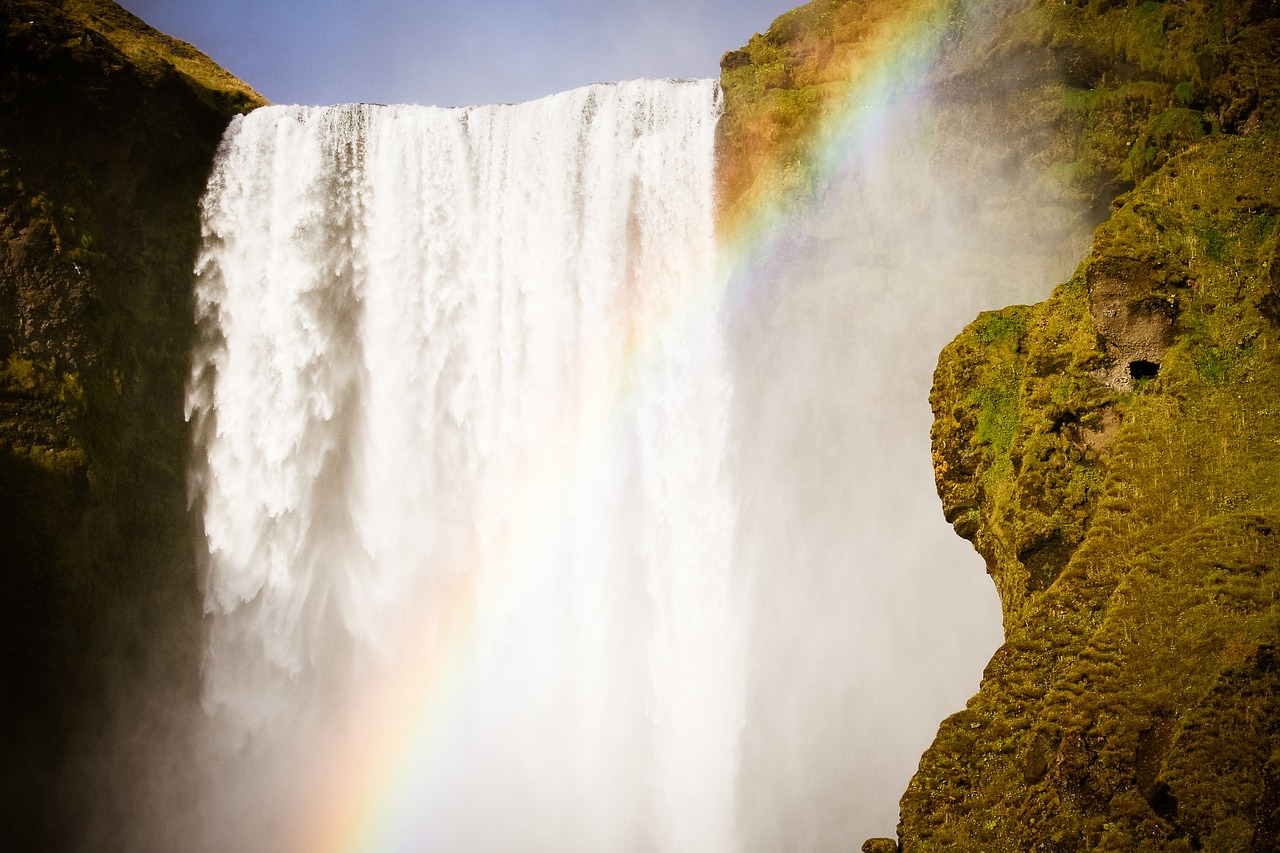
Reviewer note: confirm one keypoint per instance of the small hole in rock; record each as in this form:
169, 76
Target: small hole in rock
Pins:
1140, 369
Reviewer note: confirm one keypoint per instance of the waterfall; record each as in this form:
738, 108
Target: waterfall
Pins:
531, 524
461, 414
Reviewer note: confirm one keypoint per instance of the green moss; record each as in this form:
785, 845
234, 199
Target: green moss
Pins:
995, 326
159, 56
1102, 509
1082, 100
997, 415
1112, 90
41, 406
1166, 135
782, 84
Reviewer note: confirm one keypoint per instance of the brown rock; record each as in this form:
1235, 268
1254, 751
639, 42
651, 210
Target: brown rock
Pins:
880, 845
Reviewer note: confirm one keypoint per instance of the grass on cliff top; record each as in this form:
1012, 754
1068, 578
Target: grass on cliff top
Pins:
152, 51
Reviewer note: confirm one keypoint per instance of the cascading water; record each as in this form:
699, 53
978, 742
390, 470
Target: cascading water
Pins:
462, 409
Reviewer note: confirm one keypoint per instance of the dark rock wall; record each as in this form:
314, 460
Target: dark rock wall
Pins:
107, 134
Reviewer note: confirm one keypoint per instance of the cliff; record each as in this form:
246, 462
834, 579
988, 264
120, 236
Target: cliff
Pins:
107, 134
1113, 454
1114, 451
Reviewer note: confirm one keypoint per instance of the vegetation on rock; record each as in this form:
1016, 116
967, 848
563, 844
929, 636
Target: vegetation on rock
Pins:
779, 88
1129, 519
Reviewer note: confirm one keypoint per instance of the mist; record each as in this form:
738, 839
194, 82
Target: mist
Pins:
870, 620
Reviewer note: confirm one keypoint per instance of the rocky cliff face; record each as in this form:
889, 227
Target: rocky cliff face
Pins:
107, 134
1113, 452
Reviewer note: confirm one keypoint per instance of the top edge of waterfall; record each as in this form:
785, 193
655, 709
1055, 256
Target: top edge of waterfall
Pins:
679, 81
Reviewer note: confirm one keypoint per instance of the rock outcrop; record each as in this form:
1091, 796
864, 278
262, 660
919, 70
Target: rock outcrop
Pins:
1113, 454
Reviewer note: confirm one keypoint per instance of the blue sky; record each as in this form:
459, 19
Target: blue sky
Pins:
451, 52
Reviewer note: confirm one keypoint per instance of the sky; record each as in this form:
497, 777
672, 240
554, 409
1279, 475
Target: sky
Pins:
455, 52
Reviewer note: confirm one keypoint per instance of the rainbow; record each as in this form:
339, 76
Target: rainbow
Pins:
884, 67
393, 761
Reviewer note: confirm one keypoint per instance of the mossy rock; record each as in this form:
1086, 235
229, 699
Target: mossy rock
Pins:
1131, 522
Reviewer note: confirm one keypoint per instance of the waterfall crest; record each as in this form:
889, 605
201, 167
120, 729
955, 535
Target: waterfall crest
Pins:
461, 410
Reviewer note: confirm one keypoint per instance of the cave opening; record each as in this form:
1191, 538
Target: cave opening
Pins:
1141, 369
